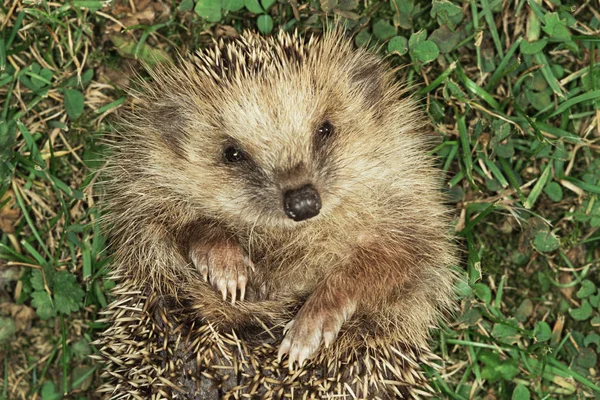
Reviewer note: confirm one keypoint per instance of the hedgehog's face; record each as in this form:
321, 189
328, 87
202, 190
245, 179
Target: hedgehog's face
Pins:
285, 156
288, 150
269, 165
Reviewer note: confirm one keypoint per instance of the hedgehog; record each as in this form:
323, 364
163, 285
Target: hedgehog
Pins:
277, 193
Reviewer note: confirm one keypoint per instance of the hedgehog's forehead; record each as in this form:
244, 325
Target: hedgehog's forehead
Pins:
288, 99
273, 117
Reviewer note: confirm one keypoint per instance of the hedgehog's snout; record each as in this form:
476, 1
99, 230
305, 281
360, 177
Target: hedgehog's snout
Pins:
302, 203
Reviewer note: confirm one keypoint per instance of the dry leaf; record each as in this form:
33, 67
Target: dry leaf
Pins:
9, 216
21, 314
566, 278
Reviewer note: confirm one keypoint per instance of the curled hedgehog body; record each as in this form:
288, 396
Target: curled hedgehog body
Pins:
275, 195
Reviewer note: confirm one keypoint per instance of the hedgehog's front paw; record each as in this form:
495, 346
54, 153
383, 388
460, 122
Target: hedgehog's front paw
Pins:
313, 325
224, 264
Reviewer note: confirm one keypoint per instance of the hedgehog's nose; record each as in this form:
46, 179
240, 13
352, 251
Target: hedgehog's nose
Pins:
303, 203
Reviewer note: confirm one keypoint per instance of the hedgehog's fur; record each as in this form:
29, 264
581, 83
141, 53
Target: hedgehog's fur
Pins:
375, 261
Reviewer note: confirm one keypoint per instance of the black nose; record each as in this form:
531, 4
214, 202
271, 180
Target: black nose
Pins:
303, 203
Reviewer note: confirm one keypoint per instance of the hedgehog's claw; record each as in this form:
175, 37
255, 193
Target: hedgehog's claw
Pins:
232, 288
283, 349
200, 260
249, 262
242, 280
288, 326
224, 292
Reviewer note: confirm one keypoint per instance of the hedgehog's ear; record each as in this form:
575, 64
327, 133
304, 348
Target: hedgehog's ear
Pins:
169, 121
368, 76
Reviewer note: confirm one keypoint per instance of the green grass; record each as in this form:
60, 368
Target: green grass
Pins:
512, 90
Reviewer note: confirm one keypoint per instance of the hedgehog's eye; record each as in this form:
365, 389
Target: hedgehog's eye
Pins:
325, 130
232, 154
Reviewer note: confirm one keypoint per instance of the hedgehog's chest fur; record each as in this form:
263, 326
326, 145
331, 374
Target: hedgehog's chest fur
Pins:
290, 264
